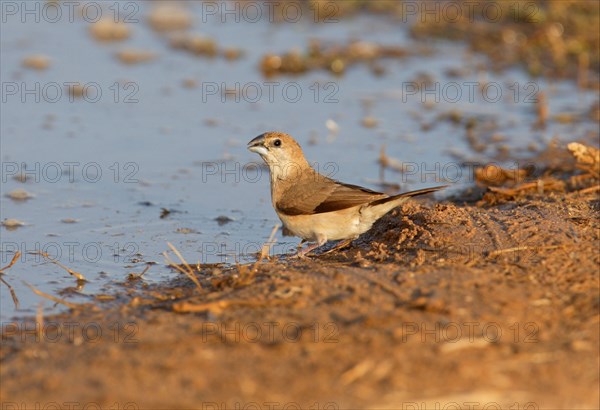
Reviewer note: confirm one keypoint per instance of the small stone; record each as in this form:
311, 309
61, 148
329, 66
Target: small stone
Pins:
76, 90
133, 56
12, 224
369, 122
109, 30
169, 18
37, 62
190, 83
232, 53
332, 126
337, 66
19, 195
222, 220
185, 230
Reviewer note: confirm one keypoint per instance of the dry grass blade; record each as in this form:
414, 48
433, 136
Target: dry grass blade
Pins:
266, 248
186, 307
12, 262
579, 180
493, 175
12, 293
523, 248
541, 185
388, 162
542, 110
588, 158
188, 273
247, 272
358, 371
183, 261
173, 264
382, 163
39, 319
54, 298
590, 189
219, 305
136, 276
78, 275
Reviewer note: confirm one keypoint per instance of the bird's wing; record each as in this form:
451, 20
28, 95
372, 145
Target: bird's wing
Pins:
323, 195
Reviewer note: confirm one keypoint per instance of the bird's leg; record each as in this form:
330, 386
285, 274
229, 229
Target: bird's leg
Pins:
299, 252
339, 245
302, 252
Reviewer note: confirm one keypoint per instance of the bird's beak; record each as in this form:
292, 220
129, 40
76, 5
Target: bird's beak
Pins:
258, 145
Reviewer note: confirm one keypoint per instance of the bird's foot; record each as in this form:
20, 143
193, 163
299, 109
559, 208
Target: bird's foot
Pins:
302, 252
340, 245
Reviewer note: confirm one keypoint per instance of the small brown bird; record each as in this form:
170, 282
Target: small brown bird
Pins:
314, 207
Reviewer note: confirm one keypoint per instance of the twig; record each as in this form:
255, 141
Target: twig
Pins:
12, 293
388, 162
589, 190
54, 298
136, 276
190, 270
39, 319
189, 274
12, 262
78, 275
541, 185
264, 252
382, 164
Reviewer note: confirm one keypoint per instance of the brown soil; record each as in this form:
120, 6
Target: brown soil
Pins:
440, 304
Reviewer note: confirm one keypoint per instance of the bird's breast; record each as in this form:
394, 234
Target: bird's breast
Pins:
342, 224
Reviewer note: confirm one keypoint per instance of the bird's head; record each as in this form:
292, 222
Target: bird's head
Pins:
280, 151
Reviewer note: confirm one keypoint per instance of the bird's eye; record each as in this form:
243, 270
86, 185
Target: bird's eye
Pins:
277, 143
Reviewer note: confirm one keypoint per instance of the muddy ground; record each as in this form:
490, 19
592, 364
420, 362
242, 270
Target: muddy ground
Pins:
441, 304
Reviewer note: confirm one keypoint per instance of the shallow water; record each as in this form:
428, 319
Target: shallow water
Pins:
109, 164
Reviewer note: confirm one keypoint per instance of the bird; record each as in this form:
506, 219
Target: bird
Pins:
314, 207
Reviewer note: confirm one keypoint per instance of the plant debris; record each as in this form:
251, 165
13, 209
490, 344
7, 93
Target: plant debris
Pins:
335, 58
37, 62
107, 29
20, 194
12, 224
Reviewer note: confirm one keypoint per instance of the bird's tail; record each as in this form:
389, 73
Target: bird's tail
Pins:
376, 209
407, 195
